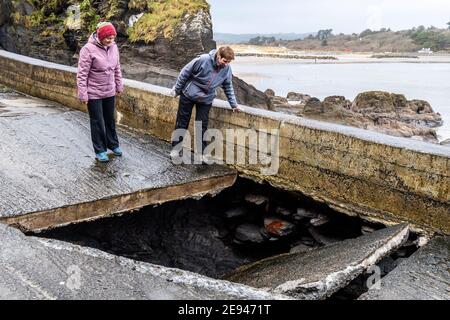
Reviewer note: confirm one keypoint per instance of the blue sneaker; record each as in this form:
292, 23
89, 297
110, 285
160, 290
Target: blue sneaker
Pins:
117, 151
102, 157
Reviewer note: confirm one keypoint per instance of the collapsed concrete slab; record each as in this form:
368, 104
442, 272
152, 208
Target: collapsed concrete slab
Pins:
320, 273
49, 176
35, 268
423, 276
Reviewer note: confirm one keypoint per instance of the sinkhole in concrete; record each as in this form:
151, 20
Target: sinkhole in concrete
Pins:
213, 236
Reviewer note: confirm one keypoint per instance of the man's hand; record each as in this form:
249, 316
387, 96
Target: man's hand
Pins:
236, 109
84, 102
173, 93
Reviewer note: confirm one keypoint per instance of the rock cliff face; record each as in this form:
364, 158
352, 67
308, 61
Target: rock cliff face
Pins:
56, 30
381, 111
156, 38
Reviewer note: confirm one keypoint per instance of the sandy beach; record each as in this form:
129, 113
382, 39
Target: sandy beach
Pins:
342, 57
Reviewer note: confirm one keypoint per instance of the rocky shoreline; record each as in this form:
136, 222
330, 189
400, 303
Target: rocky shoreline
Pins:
380, 111
284, 56
395, 56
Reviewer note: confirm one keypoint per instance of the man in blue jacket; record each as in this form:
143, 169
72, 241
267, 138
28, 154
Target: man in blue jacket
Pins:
197, 84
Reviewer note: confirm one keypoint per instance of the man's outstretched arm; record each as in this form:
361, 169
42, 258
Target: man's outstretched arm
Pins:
227, 86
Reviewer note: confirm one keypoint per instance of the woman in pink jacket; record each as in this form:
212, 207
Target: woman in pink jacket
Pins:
99, 79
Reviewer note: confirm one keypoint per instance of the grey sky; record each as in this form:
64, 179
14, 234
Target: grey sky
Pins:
347, 16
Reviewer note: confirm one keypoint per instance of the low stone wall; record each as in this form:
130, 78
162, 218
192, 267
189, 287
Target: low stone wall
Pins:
355, 171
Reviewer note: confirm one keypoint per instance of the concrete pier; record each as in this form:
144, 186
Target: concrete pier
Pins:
49, 176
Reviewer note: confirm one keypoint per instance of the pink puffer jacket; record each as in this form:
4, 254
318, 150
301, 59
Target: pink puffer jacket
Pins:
99, 75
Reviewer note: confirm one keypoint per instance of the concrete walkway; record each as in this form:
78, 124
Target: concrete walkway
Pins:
49, 177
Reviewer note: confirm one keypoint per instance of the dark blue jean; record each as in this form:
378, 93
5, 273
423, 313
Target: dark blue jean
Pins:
103, 124
184, 116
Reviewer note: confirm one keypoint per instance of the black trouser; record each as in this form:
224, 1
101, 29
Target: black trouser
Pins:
103, 124
184, 116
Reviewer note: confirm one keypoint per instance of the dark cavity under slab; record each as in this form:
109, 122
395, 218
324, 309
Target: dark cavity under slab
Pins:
49, 176
215, 235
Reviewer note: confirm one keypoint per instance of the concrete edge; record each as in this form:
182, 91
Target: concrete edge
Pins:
89, 211
178, 276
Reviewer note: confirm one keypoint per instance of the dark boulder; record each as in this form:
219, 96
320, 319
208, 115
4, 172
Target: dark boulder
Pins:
335, 103
294, 96
248, 95
313, 106
249, 233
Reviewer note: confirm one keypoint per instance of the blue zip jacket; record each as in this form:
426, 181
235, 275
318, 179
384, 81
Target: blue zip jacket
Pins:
199, 79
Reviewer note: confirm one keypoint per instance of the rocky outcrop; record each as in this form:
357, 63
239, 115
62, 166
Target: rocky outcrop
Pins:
334, 103
37, 31
381, 111
380, 105
193, 37
294, 96
289, 105
56, 31
151, 51
313, 106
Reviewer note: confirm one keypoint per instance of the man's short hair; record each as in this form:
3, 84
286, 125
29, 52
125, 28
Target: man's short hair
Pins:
226, 52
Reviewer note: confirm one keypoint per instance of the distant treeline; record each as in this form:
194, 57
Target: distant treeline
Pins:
229, 38
382, 40
436, 39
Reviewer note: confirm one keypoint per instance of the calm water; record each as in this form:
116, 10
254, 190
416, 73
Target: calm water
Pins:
426, 81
